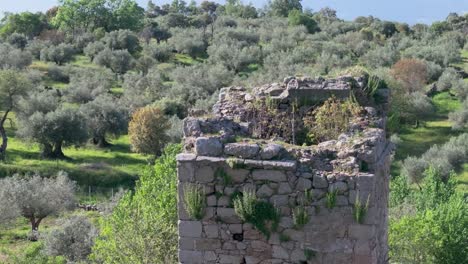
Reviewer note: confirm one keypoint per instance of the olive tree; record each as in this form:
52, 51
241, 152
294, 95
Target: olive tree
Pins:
119, 61
85, 85
12, 58
104, 117
122, 40
53, 130
73, 240
13, 86
18, 40
36, 197
59, 54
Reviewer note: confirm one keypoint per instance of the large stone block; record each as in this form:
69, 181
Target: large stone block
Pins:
320, 182
190, 229
228, 216
242, 150
204, 174
205, 146
269, 175
189, 256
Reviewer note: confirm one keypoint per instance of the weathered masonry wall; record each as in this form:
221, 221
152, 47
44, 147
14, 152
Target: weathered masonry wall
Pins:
353, 167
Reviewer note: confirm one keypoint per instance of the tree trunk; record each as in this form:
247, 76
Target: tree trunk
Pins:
35, 222
57, 152
3, 134
4, 145
47, 151
100, 142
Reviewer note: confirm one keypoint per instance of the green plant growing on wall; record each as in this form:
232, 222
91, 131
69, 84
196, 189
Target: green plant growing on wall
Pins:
194, 201
226, 178
300, 217
360, 210
307, 197
284, 238
331, 119
331, 199
262, 215
309, 253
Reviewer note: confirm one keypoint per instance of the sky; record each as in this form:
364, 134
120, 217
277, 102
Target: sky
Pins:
409, 11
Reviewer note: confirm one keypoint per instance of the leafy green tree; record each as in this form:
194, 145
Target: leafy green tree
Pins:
296, 18
74, 15
282, 8
235, 8
125, 14
143, 227
13, 85
27, 23
35, 197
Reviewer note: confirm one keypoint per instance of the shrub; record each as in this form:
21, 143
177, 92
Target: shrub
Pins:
143, 226
161, 52
359, 209
431, 236
300, 217
331, 199
262, 215
296, 18
73, 240
194, 201
447, 78
93, 49
58, 74
147, 130
459, 118
331, 119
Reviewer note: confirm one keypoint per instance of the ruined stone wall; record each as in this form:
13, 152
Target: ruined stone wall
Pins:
355, 167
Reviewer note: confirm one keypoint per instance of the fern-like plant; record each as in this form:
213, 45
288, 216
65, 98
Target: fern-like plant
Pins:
360, 210
300, 217
194, 201
244, 205
331, 199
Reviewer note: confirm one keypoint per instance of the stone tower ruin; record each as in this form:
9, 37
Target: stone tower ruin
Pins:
324, 203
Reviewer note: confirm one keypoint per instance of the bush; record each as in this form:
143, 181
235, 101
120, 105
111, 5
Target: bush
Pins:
331, 119
459, 118
147, 130
58, 74
93, 49
194, 201
161, 52
431, 236
412, 74
143, 226
262, 215
74, 240
447, 78
296, 18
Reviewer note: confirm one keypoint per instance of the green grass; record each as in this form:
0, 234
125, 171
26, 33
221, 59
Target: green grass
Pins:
108, 167
435, 130
187, 60
83, 62
14, 236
